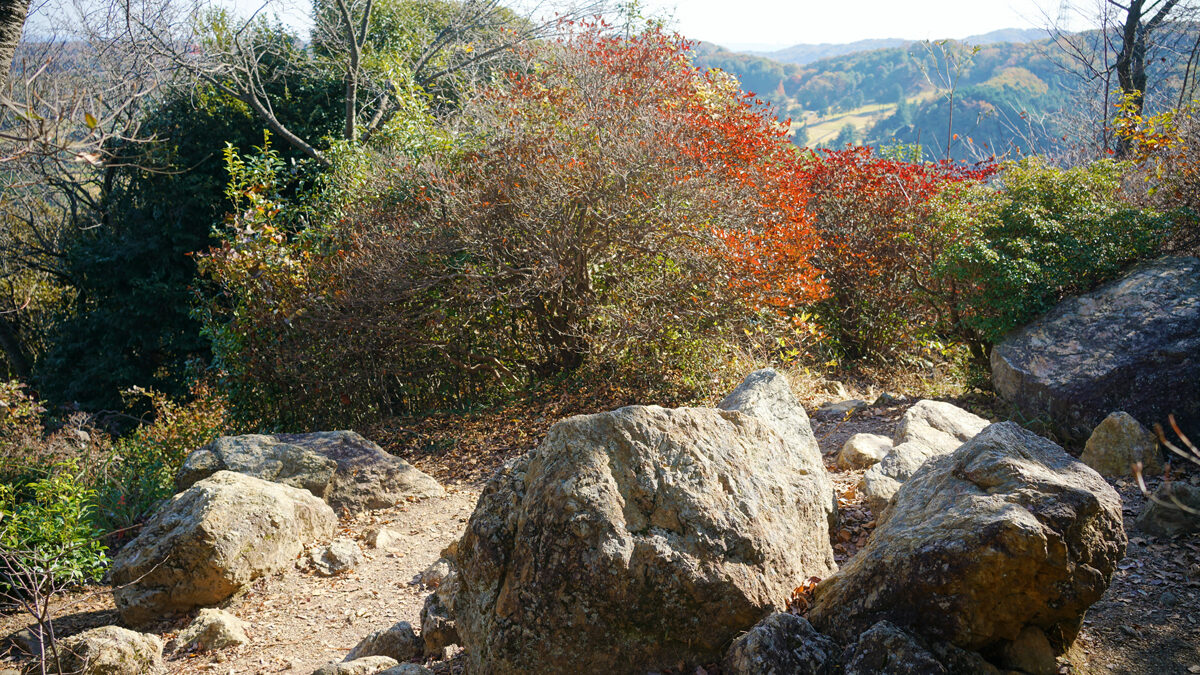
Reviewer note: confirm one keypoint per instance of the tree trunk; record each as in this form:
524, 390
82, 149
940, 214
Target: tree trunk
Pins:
18, 360
12, 21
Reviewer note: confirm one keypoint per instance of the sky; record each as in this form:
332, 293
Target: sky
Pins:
767, 24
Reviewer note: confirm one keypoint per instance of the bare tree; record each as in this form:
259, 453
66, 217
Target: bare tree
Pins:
240, 57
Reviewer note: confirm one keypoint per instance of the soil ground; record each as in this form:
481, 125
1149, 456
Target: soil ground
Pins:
1147, 623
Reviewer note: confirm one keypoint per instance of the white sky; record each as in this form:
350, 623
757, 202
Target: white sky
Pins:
751, 24
773, 24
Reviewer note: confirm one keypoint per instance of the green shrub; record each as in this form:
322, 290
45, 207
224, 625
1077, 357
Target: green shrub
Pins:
1045, 235
49, 523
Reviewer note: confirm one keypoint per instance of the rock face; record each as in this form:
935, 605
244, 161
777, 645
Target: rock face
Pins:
211, 540
766, 394
438, 630
211, 629
861, 451
783, 644
1168, 520
1130, 345
635, 540
1006, 532
1117, 443
110, 650
343, 468
398, 642
928, 429
885, 649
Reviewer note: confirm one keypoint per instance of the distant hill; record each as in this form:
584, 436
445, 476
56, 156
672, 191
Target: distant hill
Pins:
804, 54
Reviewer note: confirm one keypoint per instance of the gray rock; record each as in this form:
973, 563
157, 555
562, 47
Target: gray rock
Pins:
926, 430
407, 669
937, 425
1030, 653
1131, 345
382, 537
889, 399
782, 644
766, 395
1175, 510
840, 408
438, 630
110, 650
432, 576
368, 665
1006, 532
885, 649
343, 468
211, 540
635, 539
861, 451
398, 642
211, 629
338, 557
1117, 443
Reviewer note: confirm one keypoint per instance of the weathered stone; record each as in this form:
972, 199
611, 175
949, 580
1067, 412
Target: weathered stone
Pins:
110, 650
782, 644
1130, 345
211, 540
863, 450
886, 649
211, 629
1030, 653
382, 537
937, 425
407, 669
1007, 532
368, 665
1117, 443
635, 539
766, 395
1163, 515
398, 642
928, 429
887, 399
338, 557
438, 630
432, 576
840, 408
348, 471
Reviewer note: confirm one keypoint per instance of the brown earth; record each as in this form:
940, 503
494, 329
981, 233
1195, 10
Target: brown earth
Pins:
1147, 623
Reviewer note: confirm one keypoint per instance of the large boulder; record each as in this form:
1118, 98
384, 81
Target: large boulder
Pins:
1007, 532
766, 394
636, 540
1117, 444
1130, 345
783, 644
346, 470
213, 539
926, 430
110, 650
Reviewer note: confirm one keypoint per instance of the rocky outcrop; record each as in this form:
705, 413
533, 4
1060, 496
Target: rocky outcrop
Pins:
110, 650
926, 430
766, 395
399, 642
211, 629
211, 540
862, 451
1007, 532
636, 539
1175, 510
783, 644
1130, 345
438, 630
343, 468
1119, 442
885, 649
